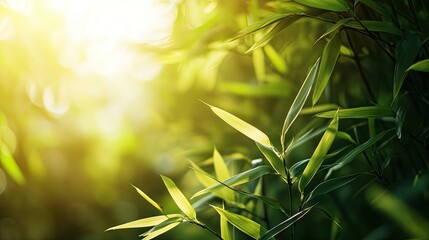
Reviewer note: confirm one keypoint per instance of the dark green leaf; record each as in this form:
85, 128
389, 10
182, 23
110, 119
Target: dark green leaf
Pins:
375, 26
360, 112
334, 27
331, 5
329, 186
400, 118
297, 169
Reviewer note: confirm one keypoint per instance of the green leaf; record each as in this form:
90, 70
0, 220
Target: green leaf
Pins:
285, 224
222, 173
400, 118
349, 156
145, 222
406, 52
275, 58
238, 179
179, 198
246, 225
375, 26
422, 66
319, 154
319, 108
162, 228
360, 112
9, 164
376, 6
327, 63
277, 89
334, 27
331, 5
345, 136
202, 176
299, 100
258, 58
242, 126
259, 25
150, 200
224, 229
297, 169
329, 186
273, 158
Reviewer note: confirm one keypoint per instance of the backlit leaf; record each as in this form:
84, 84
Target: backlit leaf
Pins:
331, 5
244, 224
273, 158
275, 58
201, 175
222, 173
224, 229
242, 126
238, 179
150, 200
8, 163
319, 108
299, 100
334, 27
422, 66
327, 63
360, 112
345, 136
285, 224
319, 154
145, 222
406, 52
179, 198
258, 58
158, 230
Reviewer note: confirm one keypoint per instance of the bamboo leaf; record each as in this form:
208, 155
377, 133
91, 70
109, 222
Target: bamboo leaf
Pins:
202, 176
179, 198
158, 230
334, 27
345, 136
359, 112
297, 169
299, 100
9, 164
242, 126
238, 179
277, 89
150, 200
275, 58
422, 66
376, 6
375, 26
327, 63
258, 58
145, 222
224, 229
273, 158
406, 52
349, 156
246, 225
329, 186
319, 108
222, 173
400, 118
319, 154
285, 224
331, 5
259, 25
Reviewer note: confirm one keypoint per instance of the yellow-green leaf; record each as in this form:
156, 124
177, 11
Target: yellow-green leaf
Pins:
246, 225
319, 154
327, 63
242, 126
162, 230
9, 164
150, 200
331, 5
145, 222
422, 66
359, 112
179, 198
275, 58
222, 173
224, 229
202, 176
273, 158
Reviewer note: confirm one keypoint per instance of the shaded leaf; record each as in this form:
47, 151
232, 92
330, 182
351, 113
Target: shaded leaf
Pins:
376, 6
145, 222
273, 158
285, 224
246, 225
406, 52
299, 100
9, 164
349, 156
331, 5
400, 118
327, 63
319, 154
345, 136
329, 186
422, 66
297, 169
334, 27
150, 200
360, 112
242, 126
375, 26
238, 179
179, 198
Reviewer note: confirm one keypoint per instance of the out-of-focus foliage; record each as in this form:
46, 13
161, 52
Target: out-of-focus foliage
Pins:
95, 95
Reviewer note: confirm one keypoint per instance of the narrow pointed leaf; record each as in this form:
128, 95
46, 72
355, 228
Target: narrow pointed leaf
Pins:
258, 58
222, 173
285, 224
162, 230
145, 222
238, 179
9, 164
297, 169
359, 112
406, 52
260, 24
319, 108
422, 66
150, 200
224, 229
334, 27
330, 185
273, 158
327, 63
275, 58
179, 198
331, 5
242, 126
319, 154
349, 156
300, 99
400, 118
345, 136
375, 26
246, 225
202, 176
